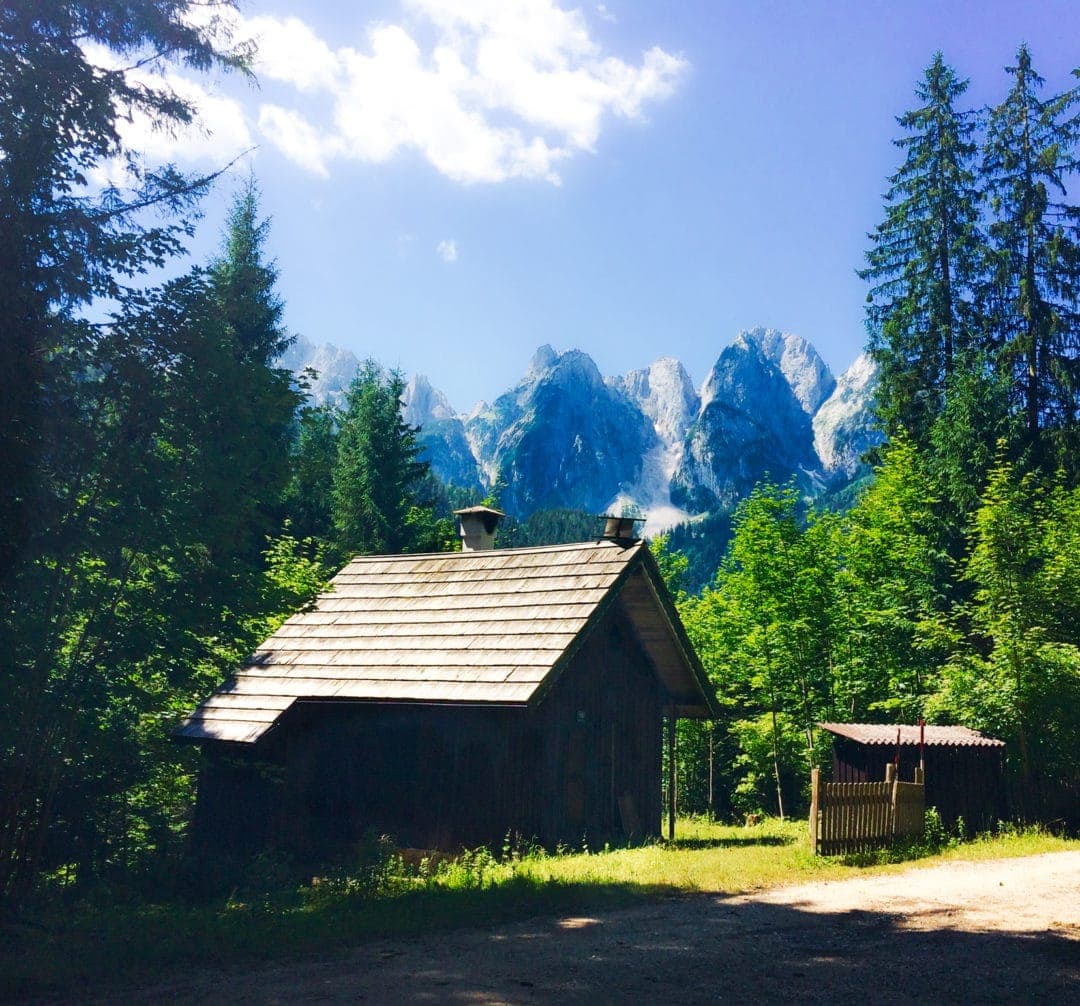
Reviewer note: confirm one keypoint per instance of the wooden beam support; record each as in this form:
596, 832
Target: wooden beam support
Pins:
671, 773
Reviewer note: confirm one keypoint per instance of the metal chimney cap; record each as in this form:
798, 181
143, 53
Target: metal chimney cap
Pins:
620, 528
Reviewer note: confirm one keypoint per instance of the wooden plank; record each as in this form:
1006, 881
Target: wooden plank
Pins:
468, 577
364, 589
351, 641
846, 817
312, 687
305, 627
530, 599
283, 661
446, 614
413, 673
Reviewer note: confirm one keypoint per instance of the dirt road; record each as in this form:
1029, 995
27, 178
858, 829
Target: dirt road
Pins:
1000, 931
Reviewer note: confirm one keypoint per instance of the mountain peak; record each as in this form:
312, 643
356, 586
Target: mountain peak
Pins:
802, 366
542, 360
423, 403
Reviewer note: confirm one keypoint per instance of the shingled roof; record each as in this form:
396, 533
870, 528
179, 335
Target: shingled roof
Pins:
488, 627
885, 733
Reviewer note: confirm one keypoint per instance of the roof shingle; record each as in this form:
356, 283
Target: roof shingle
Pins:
479, 627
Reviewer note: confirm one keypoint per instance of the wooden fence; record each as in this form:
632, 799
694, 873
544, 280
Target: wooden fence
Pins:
849, 816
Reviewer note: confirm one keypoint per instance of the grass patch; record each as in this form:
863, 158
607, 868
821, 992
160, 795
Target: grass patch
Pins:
74, 945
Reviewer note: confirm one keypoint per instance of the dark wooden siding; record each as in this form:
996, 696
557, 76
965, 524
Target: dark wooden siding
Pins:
600, 730
583, 765
961, 782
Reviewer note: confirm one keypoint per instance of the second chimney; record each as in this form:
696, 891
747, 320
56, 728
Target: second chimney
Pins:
478, 524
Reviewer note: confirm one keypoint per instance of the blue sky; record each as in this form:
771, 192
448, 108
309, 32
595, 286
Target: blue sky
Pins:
454, 182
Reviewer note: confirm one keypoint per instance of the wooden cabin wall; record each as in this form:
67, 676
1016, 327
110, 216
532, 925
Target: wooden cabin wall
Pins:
238, 799
584, 764
430, 777
601, 736
961, 782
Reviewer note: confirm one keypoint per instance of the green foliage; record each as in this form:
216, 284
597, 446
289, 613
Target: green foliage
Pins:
890, 630
1017, 673
548, 527
673, 565
308, 497
246, 283
374, 502
703, 542
1034, 245
63, 246
925, 259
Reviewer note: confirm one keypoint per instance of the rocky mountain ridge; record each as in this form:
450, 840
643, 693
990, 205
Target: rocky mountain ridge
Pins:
565, 436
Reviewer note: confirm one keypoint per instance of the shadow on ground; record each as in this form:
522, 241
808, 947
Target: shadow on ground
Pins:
692, 949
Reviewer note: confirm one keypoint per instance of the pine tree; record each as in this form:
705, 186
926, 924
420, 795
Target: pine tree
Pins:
245, 282
1030, 152
308, 496
374, 502
925, 260
262, 401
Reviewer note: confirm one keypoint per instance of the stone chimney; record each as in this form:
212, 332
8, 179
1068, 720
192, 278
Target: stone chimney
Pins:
478, 525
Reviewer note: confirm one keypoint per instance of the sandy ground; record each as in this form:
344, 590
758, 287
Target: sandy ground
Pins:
1000, 931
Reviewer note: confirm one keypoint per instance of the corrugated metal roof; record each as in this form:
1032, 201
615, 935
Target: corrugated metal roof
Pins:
485, 627
885, 733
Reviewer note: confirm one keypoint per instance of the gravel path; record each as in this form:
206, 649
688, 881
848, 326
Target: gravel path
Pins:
996, 931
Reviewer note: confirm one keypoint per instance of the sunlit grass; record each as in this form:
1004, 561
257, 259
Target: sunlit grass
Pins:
710, 857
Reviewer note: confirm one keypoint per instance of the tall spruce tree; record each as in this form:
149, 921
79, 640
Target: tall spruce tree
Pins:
245, 281
925, 260
1030, 153
374, 503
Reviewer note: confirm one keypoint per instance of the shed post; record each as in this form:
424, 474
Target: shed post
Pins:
815, 789
671, 773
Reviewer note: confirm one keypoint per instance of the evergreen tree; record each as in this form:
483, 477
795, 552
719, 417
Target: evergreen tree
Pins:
150, 582
1030, 152
376, 476
245, 282
925, 260
263, 401
62, 247
308, 497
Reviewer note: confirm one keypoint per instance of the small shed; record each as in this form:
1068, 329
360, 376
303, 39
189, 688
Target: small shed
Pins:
450, 699
965, 769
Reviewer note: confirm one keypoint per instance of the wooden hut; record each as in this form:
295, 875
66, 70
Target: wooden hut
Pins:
450, 699
965, 770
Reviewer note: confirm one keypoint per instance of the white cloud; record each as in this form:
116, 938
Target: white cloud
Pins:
219, 133
447, 250
484, 90
510, 88
289, 50
296, 138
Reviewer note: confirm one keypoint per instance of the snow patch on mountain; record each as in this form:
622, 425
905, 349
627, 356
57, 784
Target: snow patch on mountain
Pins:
844, 427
